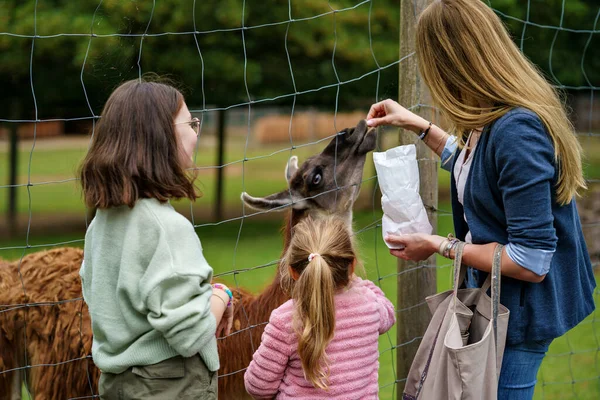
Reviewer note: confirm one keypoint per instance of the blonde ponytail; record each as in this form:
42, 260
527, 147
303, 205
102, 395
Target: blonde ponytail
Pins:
321, 253
313, 294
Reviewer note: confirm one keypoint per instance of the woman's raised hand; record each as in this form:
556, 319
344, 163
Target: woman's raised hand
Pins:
389, 112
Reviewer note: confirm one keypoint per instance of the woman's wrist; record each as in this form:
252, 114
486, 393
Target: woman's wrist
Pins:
436, 243
447, 247
417, 124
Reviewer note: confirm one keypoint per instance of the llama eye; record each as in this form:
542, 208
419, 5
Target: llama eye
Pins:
317, 179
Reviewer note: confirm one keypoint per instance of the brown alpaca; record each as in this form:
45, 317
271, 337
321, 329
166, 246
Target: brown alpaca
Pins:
9, 333
55, 328
327, 183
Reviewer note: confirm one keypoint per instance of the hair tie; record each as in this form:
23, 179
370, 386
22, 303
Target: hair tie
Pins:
313, 255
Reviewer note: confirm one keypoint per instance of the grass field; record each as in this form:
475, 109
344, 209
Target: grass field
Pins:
572, 369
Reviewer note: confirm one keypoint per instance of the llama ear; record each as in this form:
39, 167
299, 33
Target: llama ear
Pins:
281, 200
291, 168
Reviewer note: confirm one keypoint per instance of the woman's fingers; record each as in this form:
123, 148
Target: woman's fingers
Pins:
386, 112
396, 240
398, 253
375, 122
376, 110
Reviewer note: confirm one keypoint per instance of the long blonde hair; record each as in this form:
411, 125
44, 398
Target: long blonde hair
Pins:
476, 74
313, 292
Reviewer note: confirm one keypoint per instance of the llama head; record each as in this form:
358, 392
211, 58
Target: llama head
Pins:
328, 182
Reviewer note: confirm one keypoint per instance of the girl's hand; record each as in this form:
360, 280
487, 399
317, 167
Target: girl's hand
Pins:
389, 112
224, 327
417, 246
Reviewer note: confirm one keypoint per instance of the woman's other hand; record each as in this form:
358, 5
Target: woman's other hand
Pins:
417, 246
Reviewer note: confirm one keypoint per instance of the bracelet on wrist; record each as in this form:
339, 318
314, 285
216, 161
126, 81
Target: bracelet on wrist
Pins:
226, 290
453, 246
220, 298
424, 133
442, 247
449, 244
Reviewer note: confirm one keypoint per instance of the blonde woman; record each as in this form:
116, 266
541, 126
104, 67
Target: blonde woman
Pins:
515, 175
323, 342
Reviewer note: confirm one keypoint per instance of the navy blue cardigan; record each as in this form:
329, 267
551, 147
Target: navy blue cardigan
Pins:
510, 196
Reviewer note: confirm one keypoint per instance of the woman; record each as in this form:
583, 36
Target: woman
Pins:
513, 181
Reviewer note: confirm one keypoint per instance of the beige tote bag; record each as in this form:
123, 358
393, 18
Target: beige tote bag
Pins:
460, 355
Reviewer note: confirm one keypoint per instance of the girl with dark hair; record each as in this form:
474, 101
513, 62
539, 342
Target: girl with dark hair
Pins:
144, 278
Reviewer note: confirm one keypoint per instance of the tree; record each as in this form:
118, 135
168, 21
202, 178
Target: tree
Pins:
212, 66
558, 52
213, 58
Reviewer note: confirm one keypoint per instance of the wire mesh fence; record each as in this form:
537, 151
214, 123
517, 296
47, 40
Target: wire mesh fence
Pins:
248, 61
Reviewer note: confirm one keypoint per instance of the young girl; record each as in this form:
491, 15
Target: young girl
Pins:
147, 285
323, 342
514, 181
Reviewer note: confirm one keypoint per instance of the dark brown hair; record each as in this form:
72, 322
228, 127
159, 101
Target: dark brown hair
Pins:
134, 152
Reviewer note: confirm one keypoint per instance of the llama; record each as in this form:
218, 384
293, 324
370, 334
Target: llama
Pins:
56, 332
327, 183
9, 333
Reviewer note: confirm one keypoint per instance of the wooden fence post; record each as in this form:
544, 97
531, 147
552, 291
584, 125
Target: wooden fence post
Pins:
415, 281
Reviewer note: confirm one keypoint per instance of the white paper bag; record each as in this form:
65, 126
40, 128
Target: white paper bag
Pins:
398, 175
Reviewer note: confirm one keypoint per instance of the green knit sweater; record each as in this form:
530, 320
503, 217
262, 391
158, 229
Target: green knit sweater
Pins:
147, 286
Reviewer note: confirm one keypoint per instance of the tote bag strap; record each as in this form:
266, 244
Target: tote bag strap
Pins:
495, 275
493, 279
460, 271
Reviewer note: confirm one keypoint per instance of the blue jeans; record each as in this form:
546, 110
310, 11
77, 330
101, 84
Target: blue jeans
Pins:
520, 366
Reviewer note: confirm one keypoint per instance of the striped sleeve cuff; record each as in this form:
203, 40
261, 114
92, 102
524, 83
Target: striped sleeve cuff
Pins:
535, 260
449, 152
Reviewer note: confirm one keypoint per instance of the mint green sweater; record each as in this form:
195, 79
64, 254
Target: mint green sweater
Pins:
147, 286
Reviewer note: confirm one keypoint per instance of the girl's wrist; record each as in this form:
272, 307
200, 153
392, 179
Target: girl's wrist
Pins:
224, 289
223, 297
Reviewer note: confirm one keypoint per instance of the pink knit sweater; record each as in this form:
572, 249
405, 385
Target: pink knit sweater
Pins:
362, 313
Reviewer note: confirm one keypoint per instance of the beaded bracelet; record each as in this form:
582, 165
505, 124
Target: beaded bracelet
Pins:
226, 290
442, 247
220, 298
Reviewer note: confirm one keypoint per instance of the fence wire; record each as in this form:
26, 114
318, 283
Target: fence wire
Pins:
572, 367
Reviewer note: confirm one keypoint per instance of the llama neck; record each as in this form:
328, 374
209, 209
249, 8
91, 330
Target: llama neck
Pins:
274, 290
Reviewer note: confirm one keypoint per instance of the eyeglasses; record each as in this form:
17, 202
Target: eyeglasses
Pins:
194, 124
